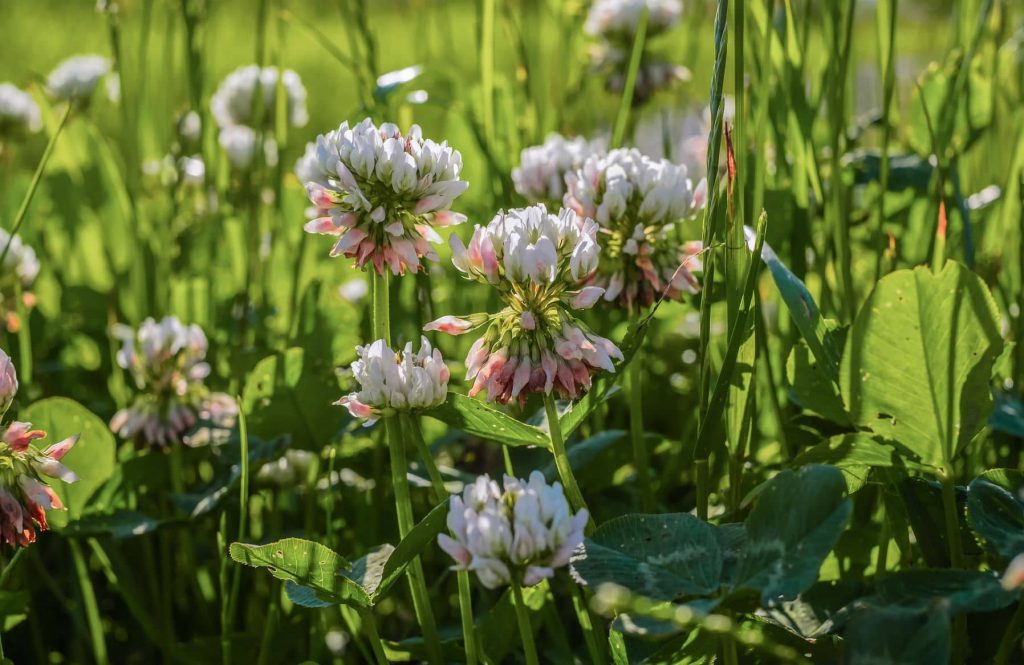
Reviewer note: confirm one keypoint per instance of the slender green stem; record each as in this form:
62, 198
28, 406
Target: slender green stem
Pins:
412, 429
626, 101
269, 624
24, 337
595, 644
403, 505
228, 610
92, 610
885, 14
703, 492
370, 627
19, 217
487, 68
224, 579
641, 456
572, 489
381, 308
1011, 638
729, 654
956, 558
525, 629
9, 568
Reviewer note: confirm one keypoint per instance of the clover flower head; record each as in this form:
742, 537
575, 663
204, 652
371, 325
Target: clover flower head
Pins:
638, 202
76, 78
653, 75
385, 193
521, 533
24, 496
19, 113
20, 267
538, 262
390, 381
289, 470
239, 144
234, 102
167, 361
618, 19
540, 176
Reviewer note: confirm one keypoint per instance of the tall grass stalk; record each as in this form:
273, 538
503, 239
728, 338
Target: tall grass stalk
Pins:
92, 610
626, 101
228, 606
885, 15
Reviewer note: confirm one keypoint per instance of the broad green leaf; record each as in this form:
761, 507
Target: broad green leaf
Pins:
305, 563
293, 393
798, 517
995, 510
859, 450
664, 557
811, 386
955, 590
919, 359
92, 458
922, 499
475, 417
897, 636
118, 525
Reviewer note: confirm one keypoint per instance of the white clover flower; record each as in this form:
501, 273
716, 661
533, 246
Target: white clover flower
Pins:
654, 73
239, 143
289, 470
540, 176
390, 381
20, 263
638, 202
19, 113
538, 262
385, 193
76, 78
234, 101
167, 361
618, 19
521, 534
354, 289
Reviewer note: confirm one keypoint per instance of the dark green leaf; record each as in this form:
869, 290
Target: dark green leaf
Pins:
664, 557
898, 636
795, 523
995, 510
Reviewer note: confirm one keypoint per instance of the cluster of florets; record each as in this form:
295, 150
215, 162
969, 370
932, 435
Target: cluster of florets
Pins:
540, 176
615, 23
24, 496
167, 362
654, 73
382, 192
537, 261
75, 79
288, 470
638, 203
20, 268
19, 113
390, 381
521, 534
245, 103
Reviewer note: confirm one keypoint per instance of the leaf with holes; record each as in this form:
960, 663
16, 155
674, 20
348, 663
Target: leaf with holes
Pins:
475, 417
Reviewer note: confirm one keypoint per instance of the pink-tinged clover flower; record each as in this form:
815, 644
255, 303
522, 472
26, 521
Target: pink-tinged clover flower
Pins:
391, 381
167, 361
540, 176
520, 534
24, 497
539, 262
639, 203
385, 192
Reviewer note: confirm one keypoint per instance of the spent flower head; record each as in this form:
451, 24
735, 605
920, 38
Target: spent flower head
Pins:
19, 113
537, 261
384, 193
540, 176
520, 534
617, 20
391, 381
167, 361
638, 203
654, 74
76, 78
24, 495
